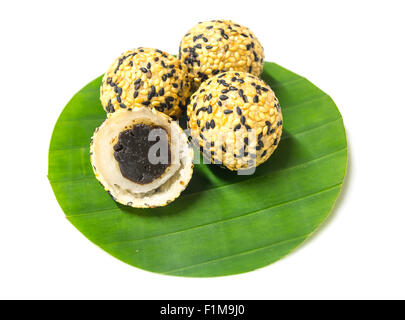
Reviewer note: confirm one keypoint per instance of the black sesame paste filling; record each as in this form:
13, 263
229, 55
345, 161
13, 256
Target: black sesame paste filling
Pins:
132, 153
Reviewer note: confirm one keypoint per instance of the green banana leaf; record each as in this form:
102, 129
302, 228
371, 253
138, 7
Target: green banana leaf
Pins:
223, 223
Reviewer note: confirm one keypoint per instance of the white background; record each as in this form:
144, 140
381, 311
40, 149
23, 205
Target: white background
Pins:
353, 50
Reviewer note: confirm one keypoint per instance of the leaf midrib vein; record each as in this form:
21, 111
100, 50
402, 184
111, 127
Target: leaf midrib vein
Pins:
277, 243
244, 215
222, 186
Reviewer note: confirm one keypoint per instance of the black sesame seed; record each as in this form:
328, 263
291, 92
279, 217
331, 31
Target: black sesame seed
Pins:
243, 120
241, 93
175, 85
122, 105
161, 91
256, 99
245, 98
228, 111
144, 70
279, 123
209, 109
118, 99
247, 127
239, 111
209, 47
148, 65
209, 97
256, 57
215, 72
136, 94
198, 111
146, 103
110, 107
212, 124
223, 97
220, 103
246, 140
207, 125
275, 141
237, 127
198, 123
264, 153
272, 131
233, 88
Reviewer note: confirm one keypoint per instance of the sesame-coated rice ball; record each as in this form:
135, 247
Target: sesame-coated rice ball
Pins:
220, 45
132, 167
147, 77
236, 119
